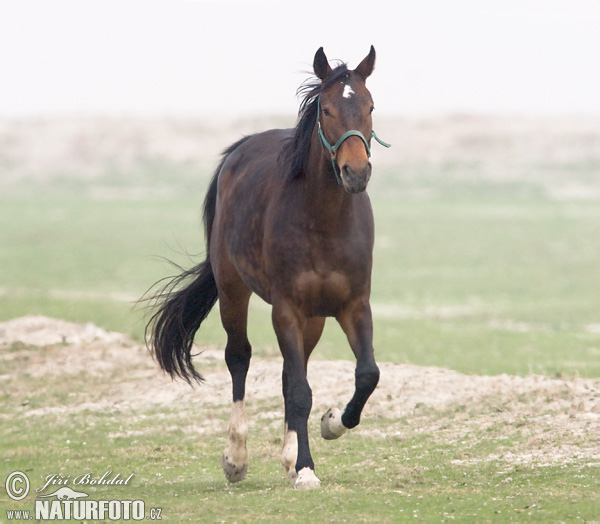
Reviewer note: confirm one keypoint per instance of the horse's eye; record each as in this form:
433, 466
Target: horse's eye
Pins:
326, 112
372, 109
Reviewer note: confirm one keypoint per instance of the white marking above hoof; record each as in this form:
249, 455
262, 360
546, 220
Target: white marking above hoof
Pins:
331, 424
235, 456
307, 480
289, 453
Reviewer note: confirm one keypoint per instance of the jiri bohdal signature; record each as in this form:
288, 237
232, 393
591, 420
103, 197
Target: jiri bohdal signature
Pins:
86, 479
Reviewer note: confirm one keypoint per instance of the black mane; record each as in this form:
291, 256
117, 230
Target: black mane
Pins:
294, 155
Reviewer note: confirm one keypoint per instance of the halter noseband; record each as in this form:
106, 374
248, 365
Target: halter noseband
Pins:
333, 149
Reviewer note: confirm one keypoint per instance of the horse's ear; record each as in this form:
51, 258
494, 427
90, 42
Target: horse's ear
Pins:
365, 68
321, 65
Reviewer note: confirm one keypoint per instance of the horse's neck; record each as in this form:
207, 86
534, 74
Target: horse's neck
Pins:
325, 198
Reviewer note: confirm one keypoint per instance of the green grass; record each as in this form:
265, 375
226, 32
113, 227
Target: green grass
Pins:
425, 468
478, 281
391, 479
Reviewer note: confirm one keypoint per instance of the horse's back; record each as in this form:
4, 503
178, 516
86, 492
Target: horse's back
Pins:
256, 157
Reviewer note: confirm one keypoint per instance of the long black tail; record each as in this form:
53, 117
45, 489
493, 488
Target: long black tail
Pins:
181, 306
184, 302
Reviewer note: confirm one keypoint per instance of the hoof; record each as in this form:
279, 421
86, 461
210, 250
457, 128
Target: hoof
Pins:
232, 472
292, 475
307, 480
331, 424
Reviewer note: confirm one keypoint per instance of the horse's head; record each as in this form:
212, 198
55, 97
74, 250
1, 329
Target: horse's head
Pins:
345, 122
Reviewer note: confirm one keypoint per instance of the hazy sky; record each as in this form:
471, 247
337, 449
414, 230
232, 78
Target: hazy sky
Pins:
193, 57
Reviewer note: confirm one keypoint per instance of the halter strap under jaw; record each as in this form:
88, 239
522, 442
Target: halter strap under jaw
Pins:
333, 149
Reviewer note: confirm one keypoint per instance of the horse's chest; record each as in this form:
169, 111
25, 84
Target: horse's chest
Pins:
321, 294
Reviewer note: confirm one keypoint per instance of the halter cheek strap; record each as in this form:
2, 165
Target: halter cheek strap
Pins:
333, 149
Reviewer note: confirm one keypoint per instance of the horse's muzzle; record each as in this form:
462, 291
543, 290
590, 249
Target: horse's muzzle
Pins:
355, 180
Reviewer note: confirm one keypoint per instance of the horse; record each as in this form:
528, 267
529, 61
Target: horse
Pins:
286, 216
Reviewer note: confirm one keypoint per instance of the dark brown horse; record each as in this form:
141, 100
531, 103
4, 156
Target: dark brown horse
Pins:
287, 218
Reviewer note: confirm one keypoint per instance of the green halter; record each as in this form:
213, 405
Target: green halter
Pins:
334, 149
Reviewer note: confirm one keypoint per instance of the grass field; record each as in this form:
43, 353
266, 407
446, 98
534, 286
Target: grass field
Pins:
501, 451
486, 262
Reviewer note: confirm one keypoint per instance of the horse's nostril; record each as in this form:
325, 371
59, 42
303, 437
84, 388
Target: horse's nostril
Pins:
349, 172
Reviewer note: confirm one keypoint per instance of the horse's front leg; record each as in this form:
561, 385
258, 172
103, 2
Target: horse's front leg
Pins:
357, 323
312, 333
289, 326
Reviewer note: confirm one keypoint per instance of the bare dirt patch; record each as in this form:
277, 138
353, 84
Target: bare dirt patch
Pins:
557, 419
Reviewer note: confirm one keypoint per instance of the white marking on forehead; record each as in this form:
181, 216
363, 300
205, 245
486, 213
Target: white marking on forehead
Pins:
348, 91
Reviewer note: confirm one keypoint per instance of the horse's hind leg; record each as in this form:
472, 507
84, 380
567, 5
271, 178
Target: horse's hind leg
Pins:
234, 316
289, 453
358, 326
